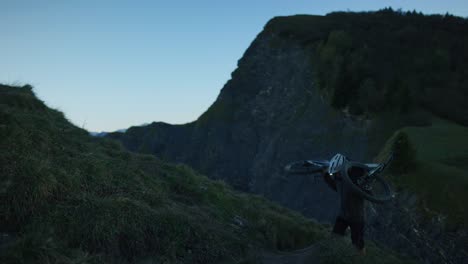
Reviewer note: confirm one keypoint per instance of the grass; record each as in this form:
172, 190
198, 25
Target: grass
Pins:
439, 176
71, 198
340, 250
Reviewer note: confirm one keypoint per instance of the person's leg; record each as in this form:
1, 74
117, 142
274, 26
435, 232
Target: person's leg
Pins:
340, 226
357, 236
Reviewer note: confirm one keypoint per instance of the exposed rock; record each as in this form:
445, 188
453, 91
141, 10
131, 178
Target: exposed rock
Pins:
267, 115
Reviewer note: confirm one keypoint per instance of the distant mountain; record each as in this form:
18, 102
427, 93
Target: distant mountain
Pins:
102, 133
311, 86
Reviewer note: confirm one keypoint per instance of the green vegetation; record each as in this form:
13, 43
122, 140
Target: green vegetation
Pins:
404, 154
339, 250
386, 61
439, 174
71, 198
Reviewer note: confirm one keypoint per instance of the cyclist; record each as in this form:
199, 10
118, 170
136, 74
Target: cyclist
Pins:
352, 206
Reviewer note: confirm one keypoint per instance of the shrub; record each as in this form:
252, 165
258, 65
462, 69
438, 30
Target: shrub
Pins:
404, 154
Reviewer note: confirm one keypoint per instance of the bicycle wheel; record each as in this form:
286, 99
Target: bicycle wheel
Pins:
375, 189
302, 167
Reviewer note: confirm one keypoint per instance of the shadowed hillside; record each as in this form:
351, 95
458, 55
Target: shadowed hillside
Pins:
68, 197
71, 198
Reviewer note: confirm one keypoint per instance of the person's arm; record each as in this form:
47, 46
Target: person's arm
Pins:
330, 182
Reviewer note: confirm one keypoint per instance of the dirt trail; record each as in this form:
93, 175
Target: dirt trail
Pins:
327, 249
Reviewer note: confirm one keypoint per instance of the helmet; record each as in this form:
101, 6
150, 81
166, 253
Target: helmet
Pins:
336, 163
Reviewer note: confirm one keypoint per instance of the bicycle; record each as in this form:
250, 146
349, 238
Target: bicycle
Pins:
371, 186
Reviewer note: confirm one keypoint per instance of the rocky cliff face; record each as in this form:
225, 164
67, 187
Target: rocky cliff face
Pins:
270, 113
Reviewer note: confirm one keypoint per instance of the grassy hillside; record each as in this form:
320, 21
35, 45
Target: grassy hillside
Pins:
68, 197
71, 198
440, 170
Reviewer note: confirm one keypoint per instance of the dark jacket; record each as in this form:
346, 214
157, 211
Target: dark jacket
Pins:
352, 206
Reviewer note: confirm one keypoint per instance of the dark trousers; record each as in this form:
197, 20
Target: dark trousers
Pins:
357, 231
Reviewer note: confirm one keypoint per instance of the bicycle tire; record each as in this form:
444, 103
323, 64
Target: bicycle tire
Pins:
387, 196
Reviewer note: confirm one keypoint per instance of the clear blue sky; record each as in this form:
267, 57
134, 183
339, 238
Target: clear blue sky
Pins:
113, 64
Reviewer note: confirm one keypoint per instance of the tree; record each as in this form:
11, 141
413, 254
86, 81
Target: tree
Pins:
371, 98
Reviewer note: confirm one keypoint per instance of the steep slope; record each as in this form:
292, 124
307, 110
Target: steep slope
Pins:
70, 198
428, 218
439, 174
432, 184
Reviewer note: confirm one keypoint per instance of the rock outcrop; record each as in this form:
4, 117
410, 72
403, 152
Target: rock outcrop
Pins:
270, 113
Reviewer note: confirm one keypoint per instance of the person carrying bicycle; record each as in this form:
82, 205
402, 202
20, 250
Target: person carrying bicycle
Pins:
356, 183
352, 206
